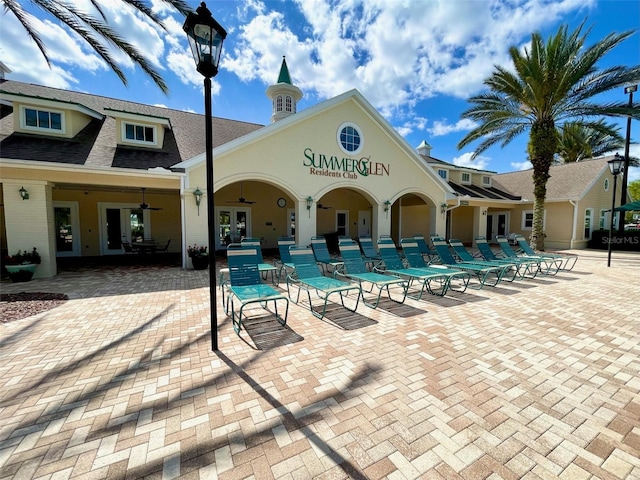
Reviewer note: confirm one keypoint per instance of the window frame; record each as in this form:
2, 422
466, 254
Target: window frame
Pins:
359, 133
38, 110
136, 141
588, 216
486, 180
445, 171
462, 178
523, 220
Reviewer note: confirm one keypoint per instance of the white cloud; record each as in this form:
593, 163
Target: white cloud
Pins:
443, 128
465, 160
395, 53
519, 166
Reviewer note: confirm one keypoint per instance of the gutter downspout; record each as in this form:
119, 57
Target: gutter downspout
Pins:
575, 220
183, 221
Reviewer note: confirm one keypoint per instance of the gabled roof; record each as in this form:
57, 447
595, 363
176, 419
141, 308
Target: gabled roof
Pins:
96, 145
569, 181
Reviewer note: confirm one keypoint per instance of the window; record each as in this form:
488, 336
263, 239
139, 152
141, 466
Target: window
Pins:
33, 119
602, 221
139, 133
588, 223
527, 220
442, 173
349, 138
279, 103
486, 180
288, 103
466, 177
606, 184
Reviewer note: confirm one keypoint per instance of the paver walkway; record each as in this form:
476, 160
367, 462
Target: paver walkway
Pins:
535, 379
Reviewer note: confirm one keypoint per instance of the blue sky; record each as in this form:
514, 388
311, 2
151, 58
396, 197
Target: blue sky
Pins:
415, 61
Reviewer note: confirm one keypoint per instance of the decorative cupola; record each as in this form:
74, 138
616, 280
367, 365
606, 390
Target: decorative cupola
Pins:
424, 149
284, 95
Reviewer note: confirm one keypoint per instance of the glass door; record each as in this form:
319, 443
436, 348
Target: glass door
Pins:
67, 229
122, 223
233, 224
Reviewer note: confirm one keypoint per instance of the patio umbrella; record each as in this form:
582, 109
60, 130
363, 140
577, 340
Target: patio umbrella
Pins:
629, 207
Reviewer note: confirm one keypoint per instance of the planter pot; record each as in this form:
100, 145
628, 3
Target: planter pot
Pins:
200, 263
21, 273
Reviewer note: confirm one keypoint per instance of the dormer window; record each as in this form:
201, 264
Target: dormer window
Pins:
443, 173
486, 181
466, 177
44, 120
139, 133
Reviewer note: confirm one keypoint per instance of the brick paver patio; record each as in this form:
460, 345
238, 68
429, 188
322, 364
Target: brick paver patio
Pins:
535, 379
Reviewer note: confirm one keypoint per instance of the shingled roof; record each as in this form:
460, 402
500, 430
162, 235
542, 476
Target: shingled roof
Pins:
96, 144
567, 182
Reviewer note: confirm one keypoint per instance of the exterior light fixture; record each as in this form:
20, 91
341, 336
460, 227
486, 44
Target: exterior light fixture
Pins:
387, 204
443, 208
205, 39
615, 166
23, 193
197, 193
309, 204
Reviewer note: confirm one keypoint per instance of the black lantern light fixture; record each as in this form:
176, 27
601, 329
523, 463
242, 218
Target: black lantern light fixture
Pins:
23, 193
205, 39
309, 204
197, 193
615, 166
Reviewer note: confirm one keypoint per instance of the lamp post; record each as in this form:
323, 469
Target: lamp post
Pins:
616, 166
625, 175
205, 39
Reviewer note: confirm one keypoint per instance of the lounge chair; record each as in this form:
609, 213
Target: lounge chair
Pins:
486, 276
512, 269
429, 254
266, 269
527, 267
369, 252
355, 269
322, 255
547, 266
436, 281
568, 261
246, 287
284, 263
307, 275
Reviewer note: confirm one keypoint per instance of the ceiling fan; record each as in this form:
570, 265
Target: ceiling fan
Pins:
144, 205
242, 199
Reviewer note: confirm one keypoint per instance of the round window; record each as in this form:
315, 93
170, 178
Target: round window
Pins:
606, 184
350, 138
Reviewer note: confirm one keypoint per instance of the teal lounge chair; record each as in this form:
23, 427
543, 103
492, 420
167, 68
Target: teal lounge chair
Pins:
322, 255
308, 276
369, 252
266, 269
512, 269
567, 261
429, 254
436, 281
486, 276
527, 268
245, 287
547, 266
355, 269
284, 263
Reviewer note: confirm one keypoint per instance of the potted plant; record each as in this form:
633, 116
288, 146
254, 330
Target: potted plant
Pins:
21, 265
199, 256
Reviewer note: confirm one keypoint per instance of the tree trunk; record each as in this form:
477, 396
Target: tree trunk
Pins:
542, 146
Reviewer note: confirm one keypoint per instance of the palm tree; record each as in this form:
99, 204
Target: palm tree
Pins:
95, 31
578, 141
554, 82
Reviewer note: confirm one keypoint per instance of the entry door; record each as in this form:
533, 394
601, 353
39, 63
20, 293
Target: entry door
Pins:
489, 233
364, 223
497, 224
233, 224
342, 222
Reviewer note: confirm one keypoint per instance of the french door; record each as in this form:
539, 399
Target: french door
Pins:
121, 222
232, 225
